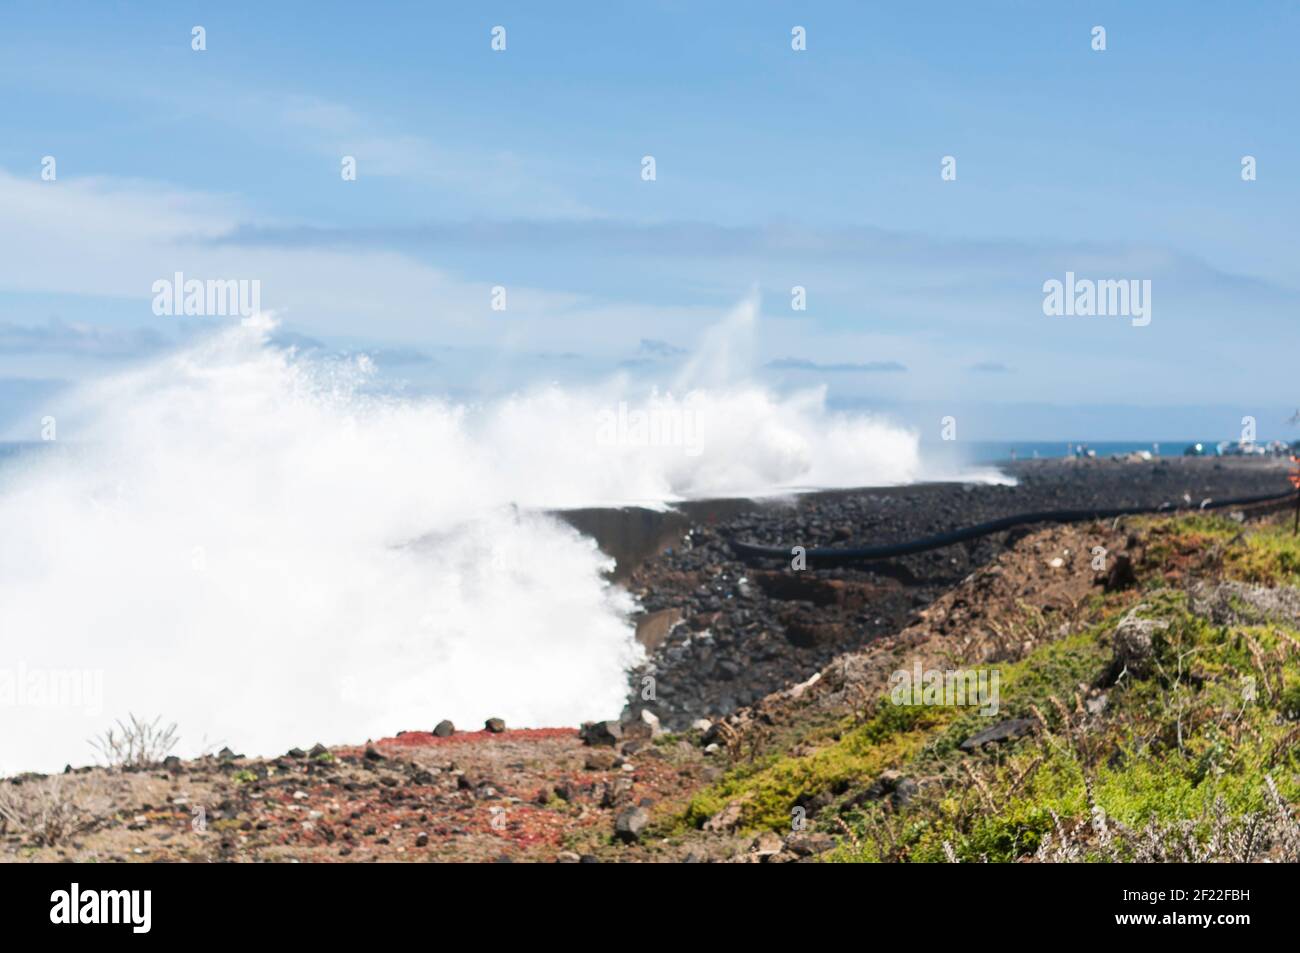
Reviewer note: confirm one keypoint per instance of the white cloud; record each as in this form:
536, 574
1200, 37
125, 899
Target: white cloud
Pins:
114, 238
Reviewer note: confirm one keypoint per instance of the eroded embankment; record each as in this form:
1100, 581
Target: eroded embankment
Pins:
723, 632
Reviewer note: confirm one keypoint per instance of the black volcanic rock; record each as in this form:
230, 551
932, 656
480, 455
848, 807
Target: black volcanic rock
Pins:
751, 628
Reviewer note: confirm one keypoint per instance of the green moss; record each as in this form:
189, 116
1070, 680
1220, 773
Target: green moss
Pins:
1271, 557
769, 790
1214, 525
1262, 553
1289, 703
1167, 748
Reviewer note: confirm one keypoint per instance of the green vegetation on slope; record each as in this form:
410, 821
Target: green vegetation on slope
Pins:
1171, 745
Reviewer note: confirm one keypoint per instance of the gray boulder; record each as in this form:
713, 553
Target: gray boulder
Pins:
630, 822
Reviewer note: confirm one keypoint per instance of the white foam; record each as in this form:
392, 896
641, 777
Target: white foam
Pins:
248, 544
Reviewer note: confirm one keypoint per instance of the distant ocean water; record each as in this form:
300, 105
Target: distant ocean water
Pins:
969, 451
1002, 451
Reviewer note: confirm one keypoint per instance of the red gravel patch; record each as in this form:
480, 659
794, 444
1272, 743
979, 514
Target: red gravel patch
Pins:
423, 739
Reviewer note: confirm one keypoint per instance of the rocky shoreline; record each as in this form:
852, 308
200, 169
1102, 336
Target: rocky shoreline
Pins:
820, 766
721, 633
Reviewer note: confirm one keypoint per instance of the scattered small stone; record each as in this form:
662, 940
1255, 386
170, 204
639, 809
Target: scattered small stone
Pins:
643, 726
600, 761
630, 822
1002, 731
495, 725
616, 792
422, 839
567, 857
372, 753
1134, 648
652, 720
725, 820
566, 791
805, 844
444, 729
766, 844
904, 792
596, 733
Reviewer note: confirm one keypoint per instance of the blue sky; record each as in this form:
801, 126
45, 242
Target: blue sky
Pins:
775, 168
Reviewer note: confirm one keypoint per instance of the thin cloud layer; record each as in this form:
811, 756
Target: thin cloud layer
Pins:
56, 336
803, 364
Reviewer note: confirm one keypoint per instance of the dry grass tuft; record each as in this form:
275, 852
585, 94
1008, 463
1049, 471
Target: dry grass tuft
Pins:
52, 809
1219, 838
139, 744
